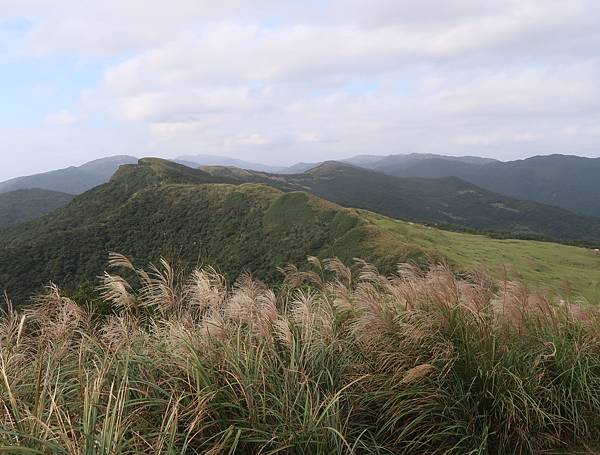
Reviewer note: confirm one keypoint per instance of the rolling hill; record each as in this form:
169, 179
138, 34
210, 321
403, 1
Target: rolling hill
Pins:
568, 182
427, 166
446, 201
159, 208
298, 168
71, 180
549, 267
20, 206
395, 163
565, 181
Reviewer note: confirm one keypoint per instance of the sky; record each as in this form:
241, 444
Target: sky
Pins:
280, 82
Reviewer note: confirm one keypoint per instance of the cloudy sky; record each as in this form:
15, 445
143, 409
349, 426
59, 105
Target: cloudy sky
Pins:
281, 82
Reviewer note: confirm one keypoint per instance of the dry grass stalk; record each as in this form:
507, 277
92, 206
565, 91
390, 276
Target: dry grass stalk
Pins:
417, 373
196, 365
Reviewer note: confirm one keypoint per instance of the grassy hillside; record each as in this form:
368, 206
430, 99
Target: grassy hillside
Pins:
20, 206
161, 208
158, 208
448, 201
337, 362
550, 267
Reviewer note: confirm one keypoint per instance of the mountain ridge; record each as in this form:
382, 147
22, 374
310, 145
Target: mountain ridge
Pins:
216, 160
566, 181
447, 201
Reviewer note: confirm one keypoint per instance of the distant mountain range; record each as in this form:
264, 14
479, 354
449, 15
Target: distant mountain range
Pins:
214, 160
396, 163
566, 181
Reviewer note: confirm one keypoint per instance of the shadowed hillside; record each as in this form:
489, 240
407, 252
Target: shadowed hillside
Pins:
20, 206
571, 182
567, 181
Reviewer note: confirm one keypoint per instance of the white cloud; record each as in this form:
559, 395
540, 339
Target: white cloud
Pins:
286, 80
553, 90
350, 85
253, 140
424, 27
61, 118
104, 27
498, 138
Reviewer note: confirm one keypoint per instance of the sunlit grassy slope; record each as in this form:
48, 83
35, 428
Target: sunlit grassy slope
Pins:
571, 271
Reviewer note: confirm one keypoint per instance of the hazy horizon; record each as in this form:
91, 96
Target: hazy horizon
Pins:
183, 157
279, 82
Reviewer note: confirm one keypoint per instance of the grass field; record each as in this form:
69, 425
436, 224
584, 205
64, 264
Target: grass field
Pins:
335, 362
552, 268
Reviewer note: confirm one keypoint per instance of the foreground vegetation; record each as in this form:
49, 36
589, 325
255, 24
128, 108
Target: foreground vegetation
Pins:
334, 361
